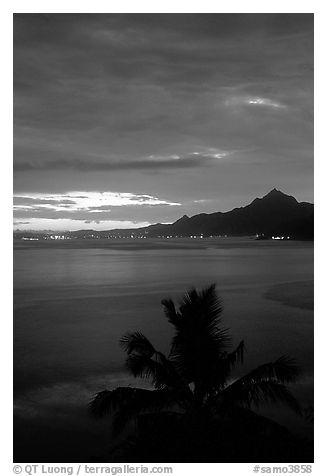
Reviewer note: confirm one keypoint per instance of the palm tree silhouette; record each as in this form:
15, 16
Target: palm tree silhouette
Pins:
194, 381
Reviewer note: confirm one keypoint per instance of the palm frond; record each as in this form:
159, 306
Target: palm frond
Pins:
108, 401
205, 303
142, 360
226, 361
260, 393
143, 402
196, 353
137, 342
266, 383
161, 373
219, 370
201, 316
211, 303
170, 312
284, 370
126, 403
148, 368
145, 361
236, 356
199, 337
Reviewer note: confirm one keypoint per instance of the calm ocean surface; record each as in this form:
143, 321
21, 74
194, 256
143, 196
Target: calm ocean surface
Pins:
74, 300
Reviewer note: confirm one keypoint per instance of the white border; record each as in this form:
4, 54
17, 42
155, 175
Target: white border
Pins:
169, 6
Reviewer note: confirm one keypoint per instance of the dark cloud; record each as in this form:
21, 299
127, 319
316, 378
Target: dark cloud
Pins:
177, 162
43, 201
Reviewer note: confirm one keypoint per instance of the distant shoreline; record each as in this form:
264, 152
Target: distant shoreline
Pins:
129, 244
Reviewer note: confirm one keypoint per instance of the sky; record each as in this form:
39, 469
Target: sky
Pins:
122, 120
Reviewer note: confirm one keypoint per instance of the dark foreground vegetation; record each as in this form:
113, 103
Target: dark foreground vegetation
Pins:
196, 411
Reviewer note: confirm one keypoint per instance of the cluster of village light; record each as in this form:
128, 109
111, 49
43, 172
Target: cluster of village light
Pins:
277, 237
280, 237
48, 237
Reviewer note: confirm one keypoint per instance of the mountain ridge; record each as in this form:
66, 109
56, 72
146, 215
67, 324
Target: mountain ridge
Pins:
276, 213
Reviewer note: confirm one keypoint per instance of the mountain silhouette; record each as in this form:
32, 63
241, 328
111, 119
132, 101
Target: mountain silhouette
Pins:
274, 214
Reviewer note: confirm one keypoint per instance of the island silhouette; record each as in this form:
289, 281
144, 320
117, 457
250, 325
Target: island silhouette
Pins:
275, 214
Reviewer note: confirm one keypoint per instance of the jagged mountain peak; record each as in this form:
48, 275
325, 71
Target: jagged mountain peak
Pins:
275, 198
275, 193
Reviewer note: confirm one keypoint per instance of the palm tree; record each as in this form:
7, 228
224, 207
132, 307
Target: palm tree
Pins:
194, 381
